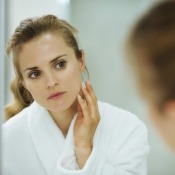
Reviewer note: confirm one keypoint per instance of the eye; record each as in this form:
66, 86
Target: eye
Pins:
34, 74
60, 64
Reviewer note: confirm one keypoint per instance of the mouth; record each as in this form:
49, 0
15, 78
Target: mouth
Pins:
56, 95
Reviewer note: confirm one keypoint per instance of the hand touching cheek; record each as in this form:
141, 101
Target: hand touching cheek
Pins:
86, 123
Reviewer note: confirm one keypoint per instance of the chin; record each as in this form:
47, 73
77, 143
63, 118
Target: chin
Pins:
58, 108
61, 107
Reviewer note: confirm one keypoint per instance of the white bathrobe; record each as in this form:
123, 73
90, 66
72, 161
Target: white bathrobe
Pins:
32, 144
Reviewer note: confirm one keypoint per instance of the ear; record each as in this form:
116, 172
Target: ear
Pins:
82, 61
169, 109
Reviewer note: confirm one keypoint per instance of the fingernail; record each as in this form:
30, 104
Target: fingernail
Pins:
79, 96
88, 82
83, 85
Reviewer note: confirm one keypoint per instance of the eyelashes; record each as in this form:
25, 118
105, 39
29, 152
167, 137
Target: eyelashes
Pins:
34, 74
59, 65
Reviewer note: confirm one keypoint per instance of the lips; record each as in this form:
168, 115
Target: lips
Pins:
56, 95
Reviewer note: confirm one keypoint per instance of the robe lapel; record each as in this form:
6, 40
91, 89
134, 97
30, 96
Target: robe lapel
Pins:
47, 138
67, 157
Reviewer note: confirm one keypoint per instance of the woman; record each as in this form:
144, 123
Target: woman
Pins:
59, 127
152, 54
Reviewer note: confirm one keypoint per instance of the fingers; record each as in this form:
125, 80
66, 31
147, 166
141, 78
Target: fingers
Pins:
84, 111
90, 98
79, 110
90, 90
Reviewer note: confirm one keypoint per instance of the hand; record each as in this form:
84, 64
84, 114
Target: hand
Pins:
86, 123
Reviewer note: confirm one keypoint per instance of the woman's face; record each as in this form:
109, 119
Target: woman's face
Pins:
51, 72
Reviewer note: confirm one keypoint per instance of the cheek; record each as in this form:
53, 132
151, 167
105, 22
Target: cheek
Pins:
73, 75
27, 85
73, 79
33, 87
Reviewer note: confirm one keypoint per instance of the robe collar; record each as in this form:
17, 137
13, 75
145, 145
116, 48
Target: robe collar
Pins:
47, 138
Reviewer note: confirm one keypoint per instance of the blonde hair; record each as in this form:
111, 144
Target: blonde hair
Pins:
27, 30
152, 53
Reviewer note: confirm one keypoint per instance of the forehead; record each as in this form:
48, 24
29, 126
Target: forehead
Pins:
44, 41
42, 49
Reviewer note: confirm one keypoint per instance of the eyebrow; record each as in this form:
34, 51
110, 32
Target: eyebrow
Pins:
52, 61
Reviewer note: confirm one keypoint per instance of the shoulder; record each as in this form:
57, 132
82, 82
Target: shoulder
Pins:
115, 120
17, 125
119, 128
16, 120
121, 136
113, 113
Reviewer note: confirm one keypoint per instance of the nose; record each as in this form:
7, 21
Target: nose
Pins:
51, 80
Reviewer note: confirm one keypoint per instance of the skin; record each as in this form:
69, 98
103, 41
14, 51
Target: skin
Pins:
164, 122
49, 66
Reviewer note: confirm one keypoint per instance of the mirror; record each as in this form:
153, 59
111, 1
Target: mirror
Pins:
103, 27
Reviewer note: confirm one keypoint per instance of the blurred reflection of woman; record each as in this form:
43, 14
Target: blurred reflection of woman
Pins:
152, 55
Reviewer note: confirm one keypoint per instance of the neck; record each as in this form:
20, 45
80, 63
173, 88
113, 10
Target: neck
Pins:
63, 119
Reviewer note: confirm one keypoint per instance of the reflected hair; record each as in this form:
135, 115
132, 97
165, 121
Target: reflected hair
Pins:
151, 49
28, 30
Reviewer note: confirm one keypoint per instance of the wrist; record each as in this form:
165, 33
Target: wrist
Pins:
83, 149
83, 143
82, 154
